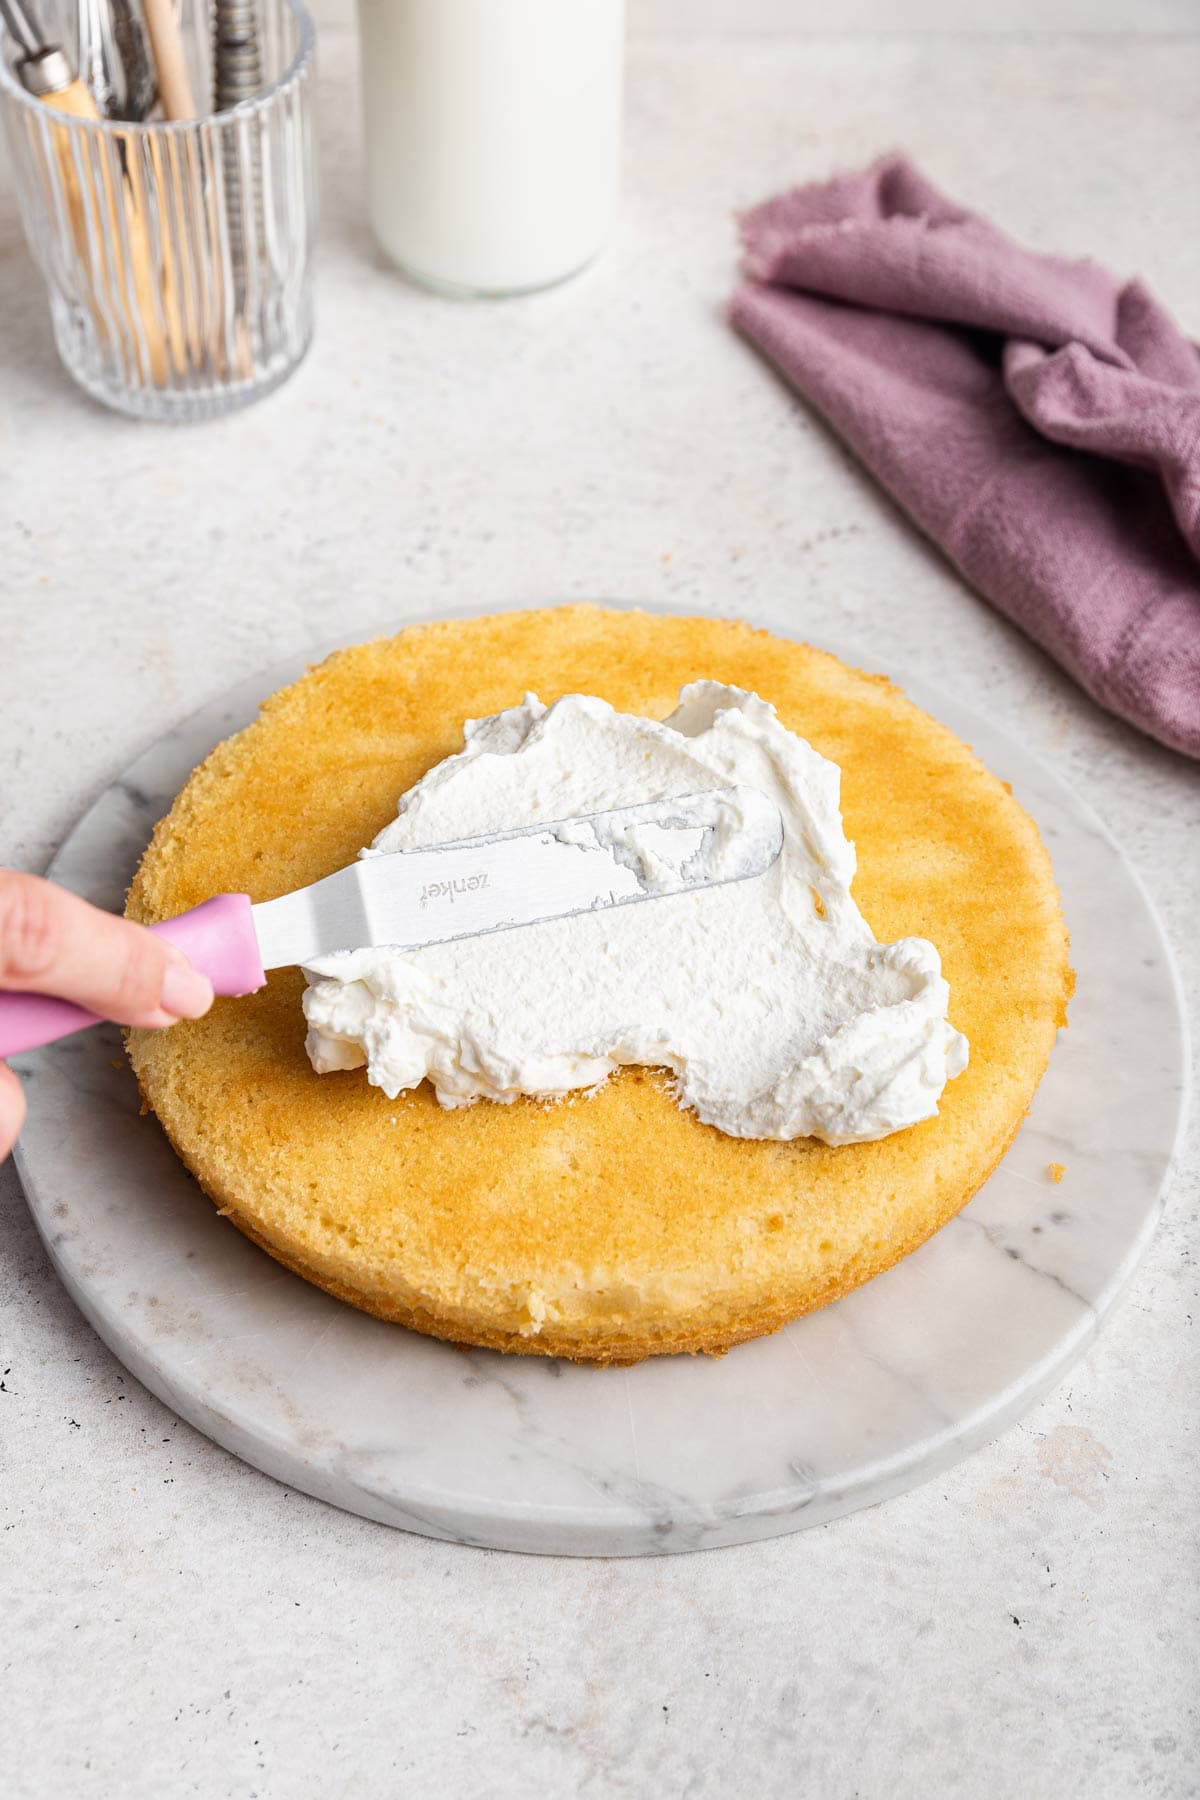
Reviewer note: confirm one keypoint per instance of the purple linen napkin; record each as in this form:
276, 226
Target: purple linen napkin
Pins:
1039, 419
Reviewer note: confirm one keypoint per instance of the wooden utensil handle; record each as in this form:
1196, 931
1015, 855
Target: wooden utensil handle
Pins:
97, 204
76, 100
166, 47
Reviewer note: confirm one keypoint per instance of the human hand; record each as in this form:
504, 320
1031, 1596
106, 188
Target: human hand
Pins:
51, 942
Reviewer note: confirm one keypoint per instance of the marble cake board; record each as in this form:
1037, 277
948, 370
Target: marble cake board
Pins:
841, 1409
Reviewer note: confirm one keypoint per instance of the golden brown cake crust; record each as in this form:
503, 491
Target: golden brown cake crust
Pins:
613, 1226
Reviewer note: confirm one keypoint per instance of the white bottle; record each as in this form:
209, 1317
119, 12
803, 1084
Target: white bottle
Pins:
492, 136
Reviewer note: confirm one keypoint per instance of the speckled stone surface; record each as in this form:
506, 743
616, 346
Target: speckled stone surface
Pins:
176, 1623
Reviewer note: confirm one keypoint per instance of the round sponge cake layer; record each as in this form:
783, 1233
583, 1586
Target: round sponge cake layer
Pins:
611, 1226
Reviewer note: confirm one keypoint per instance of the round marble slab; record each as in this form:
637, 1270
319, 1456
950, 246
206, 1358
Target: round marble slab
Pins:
841, 1409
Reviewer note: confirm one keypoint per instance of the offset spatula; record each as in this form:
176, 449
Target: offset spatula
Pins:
413, 897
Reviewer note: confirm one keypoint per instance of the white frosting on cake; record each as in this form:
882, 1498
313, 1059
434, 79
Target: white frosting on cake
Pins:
770, 1000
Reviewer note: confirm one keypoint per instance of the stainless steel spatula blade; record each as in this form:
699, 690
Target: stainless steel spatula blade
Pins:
414, 897
512, 878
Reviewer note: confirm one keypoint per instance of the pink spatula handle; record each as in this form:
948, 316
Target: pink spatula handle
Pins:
218, 938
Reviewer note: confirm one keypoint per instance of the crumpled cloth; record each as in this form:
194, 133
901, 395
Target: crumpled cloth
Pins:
1037, 417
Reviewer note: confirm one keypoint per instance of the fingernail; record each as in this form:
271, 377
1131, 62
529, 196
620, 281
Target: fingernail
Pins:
185, 992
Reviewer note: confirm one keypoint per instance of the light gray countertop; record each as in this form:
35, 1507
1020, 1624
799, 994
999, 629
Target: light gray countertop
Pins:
175, 1623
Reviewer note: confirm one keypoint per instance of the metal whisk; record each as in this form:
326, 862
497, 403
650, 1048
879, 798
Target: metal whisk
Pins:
113, 58
137, 66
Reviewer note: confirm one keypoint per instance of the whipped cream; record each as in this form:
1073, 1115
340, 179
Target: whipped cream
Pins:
771, 1002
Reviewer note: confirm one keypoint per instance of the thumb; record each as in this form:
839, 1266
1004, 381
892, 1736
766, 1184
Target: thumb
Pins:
51, 942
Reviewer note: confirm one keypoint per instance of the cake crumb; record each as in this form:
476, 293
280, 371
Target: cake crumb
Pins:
1056, 1171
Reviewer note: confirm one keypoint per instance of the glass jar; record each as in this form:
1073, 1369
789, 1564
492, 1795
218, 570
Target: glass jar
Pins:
178, 255
492, 137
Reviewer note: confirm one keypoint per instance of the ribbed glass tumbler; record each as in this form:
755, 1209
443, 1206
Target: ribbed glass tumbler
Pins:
178, 255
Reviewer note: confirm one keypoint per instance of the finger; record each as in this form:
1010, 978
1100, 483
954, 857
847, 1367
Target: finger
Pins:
51, 942
12, 1110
